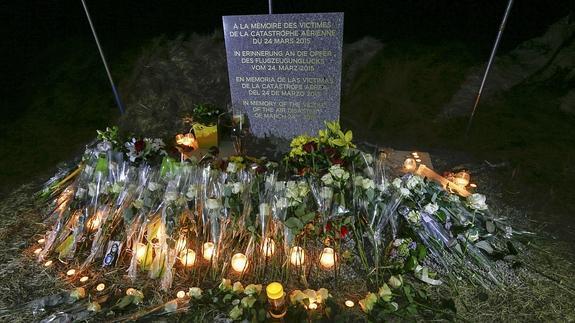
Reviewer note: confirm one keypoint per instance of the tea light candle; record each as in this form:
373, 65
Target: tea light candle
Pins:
415, 154
461, 178
71, 272
418, 160
187, 140
328, 257
188, 257
269, 247
100, 287
48, 263
239, 262
181, 294
130, 291
349, 303
473, 185
37, 251
409, 165
297, 256
312, 306
41, 241
208, 250
84, 279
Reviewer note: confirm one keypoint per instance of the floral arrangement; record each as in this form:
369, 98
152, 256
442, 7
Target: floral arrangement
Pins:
257, 220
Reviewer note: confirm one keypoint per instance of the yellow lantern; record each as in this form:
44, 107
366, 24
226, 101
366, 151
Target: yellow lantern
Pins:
239, 262
297, 256
328, 258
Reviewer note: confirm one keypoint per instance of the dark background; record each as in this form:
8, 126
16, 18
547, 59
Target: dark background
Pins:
35, 26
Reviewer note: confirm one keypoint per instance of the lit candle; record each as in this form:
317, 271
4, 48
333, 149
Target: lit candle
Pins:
461, 178
415, 154
142, 253
130, 291
187, 140
100, 287
181, 244
94, 223
349, 303
297, 256
188, 257
473, 185
239, 262
208, 250
269, 247
48, 263
418, 160
71, 272
37, 251
409, 165
181, 294
312, 306
84, 279
328, 257
41, 241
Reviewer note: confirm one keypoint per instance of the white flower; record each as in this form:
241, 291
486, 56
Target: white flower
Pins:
368, 158
232, 167
404, 191
413, 182
383, 186
327, 179
397, 183
453, 198
152, 186
195, 292
282, 203
237, 188
476, 201
303, 188
338, 173
357, 180
413, 217
472, 235
397, 242
431, 208
280, 185
104, 146
395, 281
213, 204
367, 183
326, 193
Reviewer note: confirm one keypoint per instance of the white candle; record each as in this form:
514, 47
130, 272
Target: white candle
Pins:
100, 287
37, 251
349, 303
71, 272
328, 257
181, 294
461, 178
208, 250
239, 262
297, 256
188, 257
48, 263
84, 279
41, 241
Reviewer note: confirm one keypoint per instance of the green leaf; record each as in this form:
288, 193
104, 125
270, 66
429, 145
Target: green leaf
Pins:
489, 226
308, 217
125, 301
411, 263
294, 223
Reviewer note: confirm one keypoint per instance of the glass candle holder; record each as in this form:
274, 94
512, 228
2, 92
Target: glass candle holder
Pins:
277, 305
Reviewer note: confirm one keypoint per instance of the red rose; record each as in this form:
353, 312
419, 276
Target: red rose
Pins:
337, 161
310, 147
343, 231
260, 169
139, 145
330, 152
328, 226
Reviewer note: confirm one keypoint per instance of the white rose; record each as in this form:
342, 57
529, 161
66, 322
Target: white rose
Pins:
413, 181
232, 167
327, 179
171, 195
358, 180
195, 292
472, 235
303, 189
367, 183
80, 192
368, 158
413, 217
397, 183
477, 201
213, 204
383, 186
431, 208
339, 173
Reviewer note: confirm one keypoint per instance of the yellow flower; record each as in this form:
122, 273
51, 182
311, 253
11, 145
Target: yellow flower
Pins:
297, 296
368, 302
225, 285
238, 288
385, 292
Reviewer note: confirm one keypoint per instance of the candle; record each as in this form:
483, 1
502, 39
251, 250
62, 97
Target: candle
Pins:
349, 303
312, 306
415, 154
130, 291
71, 272
328, 257
94, 223
473, 185
48, 263
100, 287
37, 251
41, 241
208, 250
461, 178
297, 256
188, 257
276, 300
418, 160
239, 262
409, 164
181, 294
84, 279
187, 140
269, 247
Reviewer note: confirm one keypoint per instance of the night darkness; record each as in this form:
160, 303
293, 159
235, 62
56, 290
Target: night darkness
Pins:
520, 152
